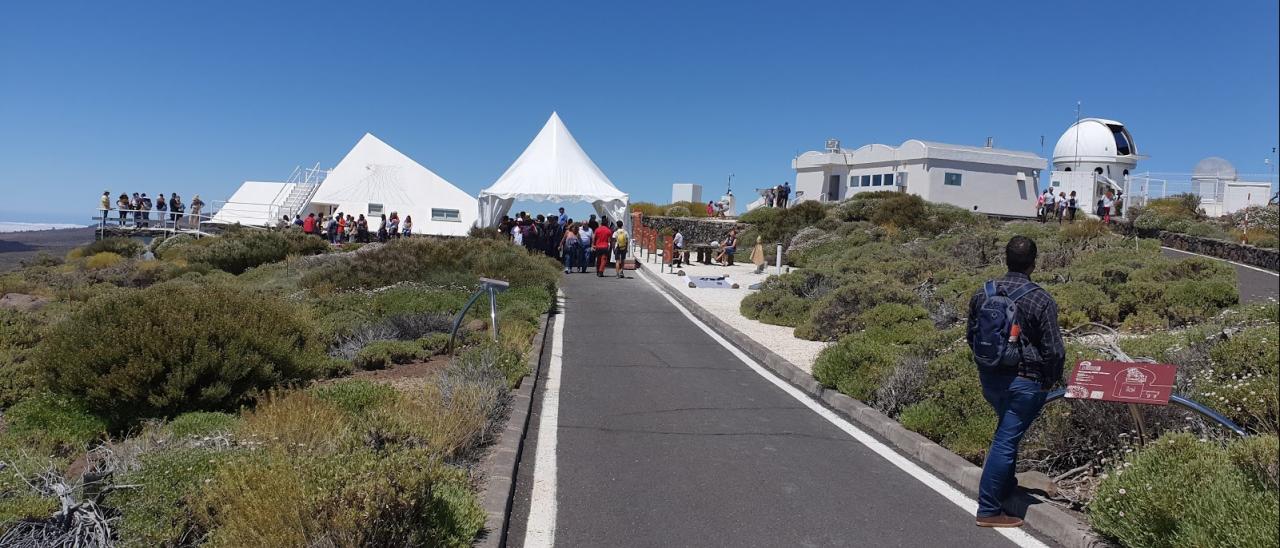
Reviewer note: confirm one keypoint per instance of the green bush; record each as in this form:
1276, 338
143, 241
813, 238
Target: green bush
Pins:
238, 250
354, 396
103, 260
202, 423
435, 343
856, 365
787, 299
159, 512
383, 354
178, 347
496, 356
1180, 491
778, 224
952, 410
1080, 303
124, 247
840, 312
678, 211
1244, 381
52, 425
19, 333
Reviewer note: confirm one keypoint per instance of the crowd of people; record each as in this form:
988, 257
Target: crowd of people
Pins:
137, 210
1063, 206
339, 228
778, 195
577, 244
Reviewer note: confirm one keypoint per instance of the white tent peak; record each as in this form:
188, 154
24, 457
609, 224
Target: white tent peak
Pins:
552, 168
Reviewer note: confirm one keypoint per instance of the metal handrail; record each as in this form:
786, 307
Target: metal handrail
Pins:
487, 285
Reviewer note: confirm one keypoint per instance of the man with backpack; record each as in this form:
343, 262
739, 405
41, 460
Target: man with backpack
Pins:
1017, 345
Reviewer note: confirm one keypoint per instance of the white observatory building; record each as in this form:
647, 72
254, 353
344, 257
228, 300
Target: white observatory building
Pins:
1094, 155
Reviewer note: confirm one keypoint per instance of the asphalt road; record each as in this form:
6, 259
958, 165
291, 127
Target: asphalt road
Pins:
665, 438
1255, 284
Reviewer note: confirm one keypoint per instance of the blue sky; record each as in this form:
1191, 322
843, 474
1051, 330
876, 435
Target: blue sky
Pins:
196, 97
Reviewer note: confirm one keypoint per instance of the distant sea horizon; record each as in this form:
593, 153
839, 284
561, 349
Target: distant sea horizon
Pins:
9, 226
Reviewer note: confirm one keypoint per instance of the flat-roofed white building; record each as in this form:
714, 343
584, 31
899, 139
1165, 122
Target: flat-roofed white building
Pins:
686, 192
982, 179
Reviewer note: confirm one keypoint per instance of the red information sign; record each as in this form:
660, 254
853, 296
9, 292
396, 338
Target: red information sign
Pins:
1125, 382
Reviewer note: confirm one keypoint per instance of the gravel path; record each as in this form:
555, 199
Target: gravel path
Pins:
725, 304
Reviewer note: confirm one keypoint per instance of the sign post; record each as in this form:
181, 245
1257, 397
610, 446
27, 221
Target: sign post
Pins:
1131, 383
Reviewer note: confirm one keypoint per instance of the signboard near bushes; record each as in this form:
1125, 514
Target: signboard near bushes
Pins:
1123, 382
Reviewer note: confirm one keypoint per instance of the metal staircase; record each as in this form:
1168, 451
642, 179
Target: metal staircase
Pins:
305, 183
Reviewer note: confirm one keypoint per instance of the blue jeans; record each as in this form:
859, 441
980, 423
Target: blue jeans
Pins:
571, 255
1017, 402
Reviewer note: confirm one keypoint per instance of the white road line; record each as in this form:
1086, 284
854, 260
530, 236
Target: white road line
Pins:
1019, 537
1250, 267
541, 528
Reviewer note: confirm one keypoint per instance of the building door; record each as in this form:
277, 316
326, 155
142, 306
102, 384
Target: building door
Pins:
833, 188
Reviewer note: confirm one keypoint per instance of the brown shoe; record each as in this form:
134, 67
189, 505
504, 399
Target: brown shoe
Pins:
999, 520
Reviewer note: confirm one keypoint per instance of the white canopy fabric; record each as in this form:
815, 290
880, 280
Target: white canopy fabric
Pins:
375, 179
552, 168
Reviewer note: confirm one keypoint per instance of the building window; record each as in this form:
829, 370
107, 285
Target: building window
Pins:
451, 215
866, 180
889, 180
952, 179
375, 209
875, 180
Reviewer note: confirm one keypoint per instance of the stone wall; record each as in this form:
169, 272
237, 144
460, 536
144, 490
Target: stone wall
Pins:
1240, 253
696, 230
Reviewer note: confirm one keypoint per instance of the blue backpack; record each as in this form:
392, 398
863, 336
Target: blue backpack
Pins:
999, 313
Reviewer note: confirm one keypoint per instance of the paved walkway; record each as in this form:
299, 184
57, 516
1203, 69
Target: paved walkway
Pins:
664, 437
1255, 284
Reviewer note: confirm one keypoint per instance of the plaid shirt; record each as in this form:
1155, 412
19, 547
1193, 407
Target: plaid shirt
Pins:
1042, 349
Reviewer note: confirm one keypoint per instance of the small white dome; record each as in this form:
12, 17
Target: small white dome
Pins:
1095, 140
1213, 168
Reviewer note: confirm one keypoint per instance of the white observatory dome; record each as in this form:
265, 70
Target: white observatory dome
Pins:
1213, 168
1094, 140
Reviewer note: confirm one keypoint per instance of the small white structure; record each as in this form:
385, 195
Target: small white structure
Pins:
375, 179
1094, 155
552, 168
982, 179
1221, 192
255, 203
686, 192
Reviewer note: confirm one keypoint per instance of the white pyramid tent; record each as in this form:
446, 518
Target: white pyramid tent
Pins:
375, 179
552, 168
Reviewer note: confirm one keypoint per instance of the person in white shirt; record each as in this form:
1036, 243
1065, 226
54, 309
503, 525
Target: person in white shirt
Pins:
585, 235
517, 237
677, 251
1107, 203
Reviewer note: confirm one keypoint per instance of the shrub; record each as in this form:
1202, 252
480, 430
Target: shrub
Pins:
678, 211
434, 343
19, 333
102, 260
786, 299
177, 347
648, 209
952, 410
297, 421
124, 247
1244, 380
160, 511
354, 396
52, 424
1080, 303
778, 224
202, 423
1180, 491
382, 354
498, 357
856, 365
238, 250
841, 311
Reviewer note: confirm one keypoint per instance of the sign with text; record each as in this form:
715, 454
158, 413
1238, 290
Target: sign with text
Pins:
1124, 382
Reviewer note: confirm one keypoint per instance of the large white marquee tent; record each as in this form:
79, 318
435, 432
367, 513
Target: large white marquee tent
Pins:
553, 168
375, 179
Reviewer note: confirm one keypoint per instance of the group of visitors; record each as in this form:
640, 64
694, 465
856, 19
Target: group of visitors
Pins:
577, 245
1064, 206
136, 209
778, 195
1060, 207
339, 228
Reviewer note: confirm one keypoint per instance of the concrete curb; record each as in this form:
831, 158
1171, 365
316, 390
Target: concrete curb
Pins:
498, 468
1046, 519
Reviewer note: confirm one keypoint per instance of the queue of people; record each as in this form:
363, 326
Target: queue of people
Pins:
1063, 206
339, 228
136, 210
577, 245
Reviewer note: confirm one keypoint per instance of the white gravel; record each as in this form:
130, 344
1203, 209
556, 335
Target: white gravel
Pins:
725, 302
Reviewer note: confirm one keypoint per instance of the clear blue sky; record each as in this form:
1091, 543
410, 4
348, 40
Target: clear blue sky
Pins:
199, 96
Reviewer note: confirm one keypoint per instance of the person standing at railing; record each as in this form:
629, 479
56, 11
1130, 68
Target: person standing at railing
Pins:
146, 211
105, 207
123, 204
196, 205
175, 209
161, 208
135, 205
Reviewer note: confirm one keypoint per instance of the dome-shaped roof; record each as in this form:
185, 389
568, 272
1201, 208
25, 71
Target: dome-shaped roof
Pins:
1214, 168
1095, 140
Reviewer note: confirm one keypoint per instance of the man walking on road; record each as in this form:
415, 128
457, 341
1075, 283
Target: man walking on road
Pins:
621, 243
1017, 345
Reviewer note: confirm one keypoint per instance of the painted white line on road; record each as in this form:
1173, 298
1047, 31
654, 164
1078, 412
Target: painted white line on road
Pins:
1017, 536
1250, 267
540, 531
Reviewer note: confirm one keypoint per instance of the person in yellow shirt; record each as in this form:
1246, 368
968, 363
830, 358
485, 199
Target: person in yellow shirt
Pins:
621, 242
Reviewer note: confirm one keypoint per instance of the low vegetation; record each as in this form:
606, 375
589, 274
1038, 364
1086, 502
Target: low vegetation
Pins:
887, 278
1255, 225
200, 395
